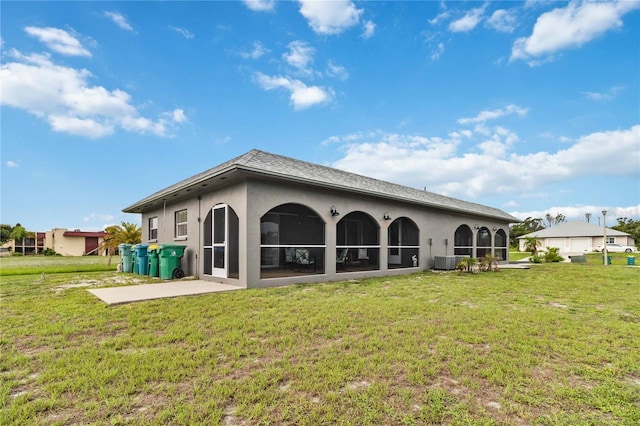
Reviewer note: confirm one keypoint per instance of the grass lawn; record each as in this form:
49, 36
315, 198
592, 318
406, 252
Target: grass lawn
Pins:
27, 265
556, 344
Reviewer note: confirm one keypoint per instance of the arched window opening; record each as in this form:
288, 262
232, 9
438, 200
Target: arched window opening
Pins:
292, 242
403, 239
357, 243
501, 245
463, 241
221, 242
483, 242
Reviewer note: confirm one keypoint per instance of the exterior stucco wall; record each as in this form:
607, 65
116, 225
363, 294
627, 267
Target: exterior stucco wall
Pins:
66, 246
197, 210
434, 225
252, 198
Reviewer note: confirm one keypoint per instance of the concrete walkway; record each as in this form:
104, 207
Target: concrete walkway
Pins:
137, 293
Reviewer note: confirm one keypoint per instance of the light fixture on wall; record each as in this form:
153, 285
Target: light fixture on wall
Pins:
495, 228
386, 216
477, 226
334, 211
430, 241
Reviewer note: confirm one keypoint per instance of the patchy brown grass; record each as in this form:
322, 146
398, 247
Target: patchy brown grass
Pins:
555, 344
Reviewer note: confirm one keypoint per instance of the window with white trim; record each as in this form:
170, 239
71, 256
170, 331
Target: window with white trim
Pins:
181, 224
153, 228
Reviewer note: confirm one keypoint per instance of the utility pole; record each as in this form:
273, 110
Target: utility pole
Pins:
604, 250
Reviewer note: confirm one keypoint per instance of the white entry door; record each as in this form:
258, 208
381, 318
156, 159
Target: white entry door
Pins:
220, 261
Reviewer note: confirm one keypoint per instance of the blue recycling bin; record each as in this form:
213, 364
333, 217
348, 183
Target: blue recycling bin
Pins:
631, 260
134, 263
142, 258
125, 257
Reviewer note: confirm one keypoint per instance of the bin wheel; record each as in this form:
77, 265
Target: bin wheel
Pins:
177, 274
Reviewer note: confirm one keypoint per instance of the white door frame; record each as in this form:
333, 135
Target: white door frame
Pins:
219, 242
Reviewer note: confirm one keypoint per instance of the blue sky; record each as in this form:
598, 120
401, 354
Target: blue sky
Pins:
530, 107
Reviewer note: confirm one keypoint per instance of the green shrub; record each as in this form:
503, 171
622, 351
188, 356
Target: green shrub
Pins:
536, 259
552, 255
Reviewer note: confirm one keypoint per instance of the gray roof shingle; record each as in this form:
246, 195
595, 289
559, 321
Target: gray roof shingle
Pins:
280, 167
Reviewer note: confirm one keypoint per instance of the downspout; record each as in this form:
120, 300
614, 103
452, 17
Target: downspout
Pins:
164, 220
199, 241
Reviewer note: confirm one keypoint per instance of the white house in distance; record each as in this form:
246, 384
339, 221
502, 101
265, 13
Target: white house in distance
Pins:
576, 237
262, 220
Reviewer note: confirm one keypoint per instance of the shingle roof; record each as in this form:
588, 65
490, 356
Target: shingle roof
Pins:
285, 168
573, 229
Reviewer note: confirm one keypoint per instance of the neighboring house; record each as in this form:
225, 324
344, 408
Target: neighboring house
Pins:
75, 243
29, 245
576, 237
263, 220
66, 243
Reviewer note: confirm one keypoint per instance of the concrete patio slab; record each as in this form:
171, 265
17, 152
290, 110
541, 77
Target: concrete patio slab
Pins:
137, 293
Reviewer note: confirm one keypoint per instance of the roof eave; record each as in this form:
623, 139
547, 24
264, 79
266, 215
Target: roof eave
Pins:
189, 183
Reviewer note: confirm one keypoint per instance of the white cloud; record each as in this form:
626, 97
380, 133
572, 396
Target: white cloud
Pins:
489, 167
98, 216
178, 116
260, 5
569, 27
58, 40
603, 96
301, 95
486, 115
183, 32
11, 164
337, 71
300, 55
468, 22
119, 20
437, 52
502, 20
74, 125
223, 140
368, 30
64, 97
330, 17
258, 51
439, 18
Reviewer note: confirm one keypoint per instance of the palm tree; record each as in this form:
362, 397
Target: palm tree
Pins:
125, 233
531, 244
19, 234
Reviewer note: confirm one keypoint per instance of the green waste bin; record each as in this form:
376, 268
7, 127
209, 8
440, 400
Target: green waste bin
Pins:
170, 256
608, 259
134, 262
142, 259
152, 253
631, 260
125, 257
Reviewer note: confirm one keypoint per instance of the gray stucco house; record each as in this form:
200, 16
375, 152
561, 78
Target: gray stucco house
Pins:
262, 220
